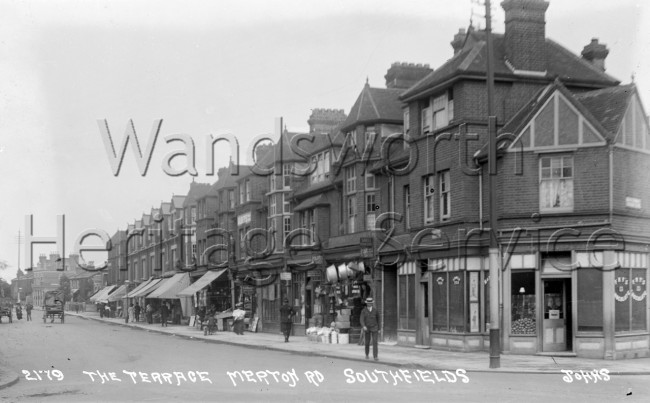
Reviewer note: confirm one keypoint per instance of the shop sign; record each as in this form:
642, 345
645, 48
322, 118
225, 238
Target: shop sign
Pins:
639, 290
554, 314
621, 289
248, 289
285, 275
367, 278
244, 218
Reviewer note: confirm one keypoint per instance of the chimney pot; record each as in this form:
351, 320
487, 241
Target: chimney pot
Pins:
595, 53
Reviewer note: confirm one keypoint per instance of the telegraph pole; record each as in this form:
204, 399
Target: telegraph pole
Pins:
495, 333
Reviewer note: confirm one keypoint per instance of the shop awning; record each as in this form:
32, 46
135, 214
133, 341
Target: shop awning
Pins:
171, 286
201, 283
117, 294
138, 288
310, 202
102, 294
146, 289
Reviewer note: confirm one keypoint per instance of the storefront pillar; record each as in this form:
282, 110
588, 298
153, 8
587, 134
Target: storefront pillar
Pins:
609, 303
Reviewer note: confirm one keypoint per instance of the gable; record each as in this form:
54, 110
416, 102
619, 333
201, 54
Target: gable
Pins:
557, 124
633, 131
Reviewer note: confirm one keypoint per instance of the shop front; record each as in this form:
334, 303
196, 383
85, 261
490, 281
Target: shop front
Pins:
441, 303
589, 304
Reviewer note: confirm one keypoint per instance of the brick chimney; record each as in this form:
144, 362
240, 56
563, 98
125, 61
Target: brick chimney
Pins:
459, 40
596, 53
325, 120
404, 75
525, 35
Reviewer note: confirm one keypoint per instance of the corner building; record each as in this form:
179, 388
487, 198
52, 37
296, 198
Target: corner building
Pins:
572, 201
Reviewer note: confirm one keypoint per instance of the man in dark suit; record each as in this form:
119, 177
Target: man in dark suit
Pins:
370, 323
286, 317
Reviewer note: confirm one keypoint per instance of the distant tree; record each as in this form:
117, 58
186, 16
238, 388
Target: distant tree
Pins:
5, 288
64, 287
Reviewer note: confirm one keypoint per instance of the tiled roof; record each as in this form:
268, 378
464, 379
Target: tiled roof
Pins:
471, 60
375, 105
608, 105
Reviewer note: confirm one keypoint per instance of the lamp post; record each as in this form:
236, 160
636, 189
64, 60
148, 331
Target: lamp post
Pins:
495, 332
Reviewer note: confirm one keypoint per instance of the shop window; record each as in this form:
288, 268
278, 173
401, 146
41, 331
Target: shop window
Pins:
590, 300
523, 303
456, 301
298, 294
631, 299
407, 301
449, 302
439, 312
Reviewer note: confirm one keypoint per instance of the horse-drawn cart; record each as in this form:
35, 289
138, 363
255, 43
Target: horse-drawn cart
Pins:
6, 308
53, 306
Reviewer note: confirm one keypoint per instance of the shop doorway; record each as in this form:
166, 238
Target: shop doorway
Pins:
556, 328
389, 296
423, 338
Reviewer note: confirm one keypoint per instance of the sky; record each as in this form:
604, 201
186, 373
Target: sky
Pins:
212, 68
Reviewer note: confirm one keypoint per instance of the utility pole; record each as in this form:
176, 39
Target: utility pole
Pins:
495, 333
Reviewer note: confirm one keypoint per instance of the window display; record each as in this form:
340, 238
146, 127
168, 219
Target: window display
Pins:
523, 303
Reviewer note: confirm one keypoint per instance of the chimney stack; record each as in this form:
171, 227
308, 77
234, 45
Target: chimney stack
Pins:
459, 41
325, 120
525, 35
404, 75
596, 53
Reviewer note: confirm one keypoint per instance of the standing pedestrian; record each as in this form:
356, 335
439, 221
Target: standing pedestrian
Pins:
136, 312
107, 311
370, 325
286, 319
130, 313
100, 309
149, 312
29, 308
238, 316
164, 313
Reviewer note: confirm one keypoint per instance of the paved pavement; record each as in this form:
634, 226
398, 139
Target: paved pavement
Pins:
393, 355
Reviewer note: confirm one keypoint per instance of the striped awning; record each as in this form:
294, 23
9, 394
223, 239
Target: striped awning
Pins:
201, 283
171, 286
146, 290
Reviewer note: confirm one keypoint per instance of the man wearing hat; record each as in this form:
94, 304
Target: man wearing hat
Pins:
370, 323
286, 318
238, 316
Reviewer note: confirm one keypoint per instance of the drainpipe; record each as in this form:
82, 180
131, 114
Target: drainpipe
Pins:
480, 198
611, 183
